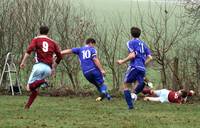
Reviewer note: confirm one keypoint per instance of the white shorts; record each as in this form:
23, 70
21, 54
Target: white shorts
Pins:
40, 71
162, 94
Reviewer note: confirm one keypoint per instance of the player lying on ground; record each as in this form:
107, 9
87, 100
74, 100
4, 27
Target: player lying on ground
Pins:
165, 95
91, 66
139, 55
43, 48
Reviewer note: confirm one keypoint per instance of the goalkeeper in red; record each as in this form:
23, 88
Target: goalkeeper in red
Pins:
43, 48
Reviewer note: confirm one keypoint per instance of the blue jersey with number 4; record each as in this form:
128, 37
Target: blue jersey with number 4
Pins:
141, 51
86, 55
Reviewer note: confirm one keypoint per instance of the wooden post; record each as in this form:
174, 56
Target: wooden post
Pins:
176, 82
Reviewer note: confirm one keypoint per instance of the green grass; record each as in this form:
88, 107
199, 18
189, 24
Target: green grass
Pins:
65, 112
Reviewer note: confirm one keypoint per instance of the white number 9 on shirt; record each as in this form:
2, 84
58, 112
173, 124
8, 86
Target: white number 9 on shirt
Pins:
45, 46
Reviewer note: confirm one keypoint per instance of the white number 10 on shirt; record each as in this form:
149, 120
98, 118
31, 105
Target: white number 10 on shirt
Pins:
86, 54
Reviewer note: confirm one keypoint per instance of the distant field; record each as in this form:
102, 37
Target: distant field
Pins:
65, 112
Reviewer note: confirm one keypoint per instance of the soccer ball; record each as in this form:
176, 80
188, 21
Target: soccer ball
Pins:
134, 96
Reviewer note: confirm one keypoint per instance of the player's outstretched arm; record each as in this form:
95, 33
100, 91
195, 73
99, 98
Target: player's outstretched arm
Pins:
149, 59
129, 57
98, 64
67, 51
22, 65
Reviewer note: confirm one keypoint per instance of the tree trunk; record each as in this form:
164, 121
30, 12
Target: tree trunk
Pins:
176, 82
164, 77
197, 70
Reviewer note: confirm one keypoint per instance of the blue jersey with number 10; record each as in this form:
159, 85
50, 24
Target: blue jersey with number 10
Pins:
141, 51
86, 55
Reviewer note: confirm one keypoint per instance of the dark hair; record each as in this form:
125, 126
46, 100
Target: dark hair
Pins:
135, 32
90, 40
44, 30
184, 93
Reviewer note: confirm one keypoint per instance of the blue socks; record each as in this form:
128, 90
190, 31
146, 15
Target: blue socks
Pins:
103, 89
127, 95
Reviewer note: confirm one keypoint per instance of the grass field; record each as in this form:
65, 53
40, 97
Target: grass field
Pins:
66, 112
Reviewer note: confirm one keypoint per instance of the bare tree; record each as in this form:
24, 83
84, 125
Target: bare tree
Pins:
110, 44
190, 64
163, 32
193, 12
189, 50
20, 20
7, 31
72, 29
28, 16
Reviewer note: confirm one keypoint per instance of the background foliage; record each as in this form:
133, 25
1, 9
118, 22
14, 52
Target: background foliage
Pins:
170, 29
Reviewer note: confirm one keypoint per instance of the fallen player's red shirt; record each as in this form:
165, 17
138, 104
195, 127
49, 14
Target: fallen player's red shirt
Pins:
173, 97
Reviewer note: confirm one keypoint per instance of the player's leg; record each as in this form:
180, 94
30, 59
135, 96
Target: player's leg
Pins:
164, 95
96, 78
91, 78
99, 80
35, 78
140, 78
31, 82
102, 89
148, 91
127, 95
103, 92
156, 99
46, 72
128, 79
39, 73
32, 97
160, 92
157, 92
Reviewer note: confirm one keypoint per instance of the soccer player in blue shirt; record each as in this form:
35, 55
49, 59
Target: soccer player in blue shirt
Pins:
139, 55
91, 66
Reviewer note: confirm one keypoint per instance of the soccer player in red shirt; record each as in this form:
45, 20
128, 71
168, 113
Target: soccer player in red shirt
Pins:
165, 95
44, 48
